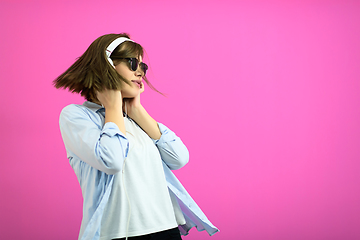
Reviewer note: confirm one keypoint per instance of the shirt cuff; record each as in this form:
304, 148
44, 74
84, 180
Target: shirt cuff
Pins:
166, 135
111, 129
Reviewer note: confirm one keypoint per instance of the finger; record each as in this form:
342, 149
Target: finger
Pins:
142, 87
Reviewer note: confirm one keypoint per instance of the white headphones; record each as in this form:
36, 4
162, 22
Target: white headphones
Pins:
112, 47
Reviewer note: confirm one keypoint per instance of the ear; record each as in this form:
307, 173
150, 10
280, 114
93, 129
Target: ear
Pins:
116, 62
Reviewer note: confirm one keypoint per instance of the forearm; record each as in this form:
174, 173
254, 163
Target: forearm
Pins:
112, 102
146, 122
172, 150
115, 115
103, 149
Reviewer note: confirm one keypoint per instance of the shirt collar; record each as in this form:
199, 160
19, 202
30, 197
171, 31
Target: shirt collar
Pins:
98, 108
94, 107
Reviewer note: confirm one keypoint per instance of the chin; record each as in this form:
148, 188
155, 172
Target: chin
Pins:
130, 94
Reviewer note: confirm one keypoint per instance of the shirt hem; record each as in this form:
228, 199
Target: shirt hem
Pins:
138, 233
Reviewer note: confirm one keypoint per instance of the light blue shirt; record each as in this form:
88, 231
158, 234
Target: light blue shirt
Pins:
96, 152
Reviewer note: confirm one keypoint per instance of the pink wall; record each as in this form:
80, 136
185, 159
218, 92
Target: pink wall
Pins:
264, 94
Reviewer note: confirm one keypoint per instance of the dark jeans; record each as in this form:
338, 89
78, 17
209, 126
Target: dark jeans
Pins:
171, 234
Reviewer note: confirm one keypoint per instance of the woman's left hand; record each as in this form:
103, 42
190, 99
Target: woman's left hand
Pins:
130, 105
133, 108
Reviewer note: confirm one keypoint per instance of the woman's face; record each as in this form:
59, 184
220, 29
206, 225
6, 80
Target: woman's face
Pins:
135, 77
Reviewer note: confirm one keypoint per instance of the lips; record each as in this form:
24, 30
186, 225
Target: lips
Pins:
137, 82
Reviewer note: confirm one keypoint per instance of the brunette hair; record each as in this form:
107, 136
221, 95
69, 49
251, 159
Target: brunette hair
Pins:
92, 72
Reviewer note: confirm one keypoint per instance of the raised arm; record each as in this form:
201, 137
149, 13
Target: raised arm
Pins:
102, 147
146, 122
137, 112
112, 102
172, 150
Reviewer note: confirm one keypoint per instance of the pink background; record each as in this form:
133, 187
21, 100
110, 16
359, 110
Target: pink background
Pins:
265, 94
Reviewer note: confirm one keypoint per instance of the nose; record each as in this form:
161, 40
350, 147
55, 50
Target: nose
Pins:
139, 72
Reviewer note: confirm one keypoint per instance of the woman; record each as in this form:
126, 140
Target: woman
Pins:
121, 156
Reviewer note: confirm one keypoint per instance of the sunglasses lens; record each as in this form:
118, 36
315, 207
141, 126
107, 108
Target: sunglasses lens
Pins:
134, 64
144, 67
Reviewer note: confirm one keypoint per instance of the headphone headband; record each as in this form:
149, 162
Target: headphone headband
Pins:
112, 47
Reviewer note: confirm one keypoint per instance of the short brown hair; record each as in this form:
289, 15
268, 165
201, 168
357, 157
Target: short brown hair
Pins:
92, 72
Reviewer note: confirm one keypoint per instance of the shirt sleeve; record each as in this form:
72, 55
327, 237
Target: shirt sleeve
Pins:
172, 150
103, 148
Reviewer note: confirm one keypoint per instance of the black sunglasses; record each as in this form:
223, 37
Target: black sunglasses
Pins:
134, 63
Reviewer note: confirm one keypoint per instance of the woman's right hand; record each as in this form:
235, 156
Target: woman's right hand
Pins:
110, 99
112, 102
